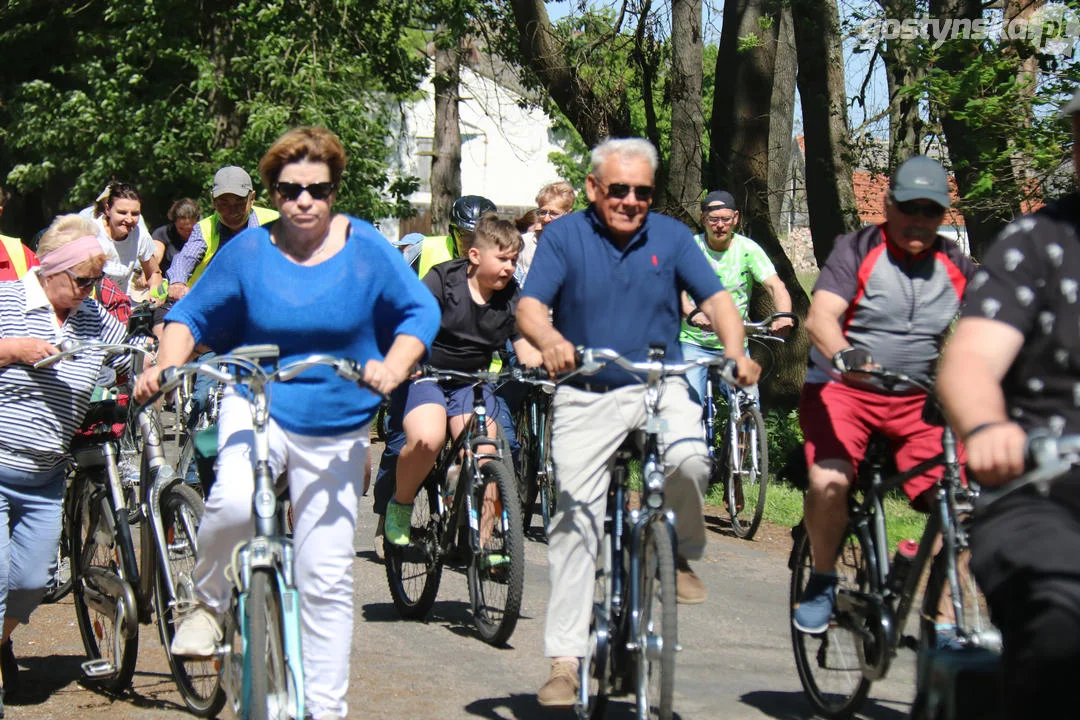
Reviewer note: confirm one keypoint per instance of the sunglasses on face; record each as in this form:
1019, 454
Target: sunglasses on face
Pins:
643, 193
914, 207
317, 191
717, 220
84, 282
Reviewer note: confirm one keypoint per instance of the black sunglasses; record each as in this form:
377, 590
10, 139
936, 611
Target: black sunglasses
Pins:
317, 191
84, 282
620, 190
914, 207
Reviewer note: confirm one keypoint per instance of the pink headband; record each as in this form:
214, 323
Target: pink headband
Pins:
68, 256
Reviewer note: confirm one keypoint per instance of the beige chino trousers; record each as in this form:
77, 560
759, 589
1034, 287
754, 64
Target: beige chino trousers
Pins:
587, 429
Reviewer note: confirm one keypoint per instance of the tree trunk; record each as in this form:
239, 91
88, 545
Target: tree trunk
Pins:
782, 119
687, 118
902, 69
593, 119
830, 195
446, 163
739, 161
217, 35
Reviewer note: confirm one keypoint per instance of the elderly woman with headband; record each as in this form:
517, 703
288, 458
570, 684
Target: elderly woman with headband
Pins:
49, 306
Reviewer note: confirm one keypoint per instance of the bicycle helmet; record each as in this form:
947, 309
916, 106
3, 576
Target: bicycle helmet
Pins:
467, 211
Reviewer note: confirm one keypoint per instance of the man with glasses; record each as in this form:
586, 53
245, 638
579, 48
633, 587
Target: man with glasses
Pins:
552, 202
886, 296
738, 261
612, 275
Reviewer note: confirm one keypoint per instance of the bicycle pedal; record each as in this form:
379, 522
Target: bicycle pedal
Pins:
98, 668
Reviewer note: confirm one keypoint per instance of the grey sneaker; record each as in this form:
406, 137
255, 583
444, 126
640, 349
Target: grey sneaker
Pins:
814, 609
198, 635
380, 530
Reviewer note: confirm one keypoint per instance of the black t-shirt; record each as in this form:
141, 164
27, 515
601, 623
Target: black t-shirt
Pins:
1030, 280
170, 238
469, 332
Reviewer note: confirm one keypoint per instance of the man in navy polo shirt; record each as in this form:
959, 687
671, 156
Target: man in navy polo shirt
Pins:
612, 276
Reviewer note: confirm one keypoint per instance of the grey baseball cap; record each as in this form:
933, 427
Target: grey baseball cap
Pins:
231, 180
406, 240
920, 178
1073, 106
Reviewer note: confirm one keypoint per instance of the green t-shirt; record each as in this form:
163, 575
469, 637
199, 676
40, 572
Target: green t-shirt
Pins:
737, 267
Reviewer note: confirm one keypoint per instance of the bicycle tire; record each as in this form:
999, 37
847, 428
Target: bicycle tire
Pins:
272, 696
974, 629
495, 591
197, 679
527, 486
748, 484
598, 662
103, 635
60, 582
549, 491
659, 631
414, 572
829, 664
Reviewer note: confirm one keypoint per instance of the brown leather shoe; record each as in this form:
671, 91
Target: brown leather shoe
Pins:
689, 590
561, 689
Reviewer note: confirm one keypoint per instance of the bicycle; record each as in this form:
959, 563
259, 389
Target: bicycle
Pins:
260, 663
115, 588
633, 634
745, 449
873, 596
448, 521
537, 473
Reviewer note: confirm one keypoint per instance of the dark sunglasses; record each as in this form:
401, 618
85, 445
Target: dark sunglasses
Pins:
620, 190
914, 207
84, 282
317, 191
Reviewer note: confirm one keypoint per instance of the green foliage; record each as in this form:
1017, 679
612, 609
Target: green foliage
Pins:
163, 92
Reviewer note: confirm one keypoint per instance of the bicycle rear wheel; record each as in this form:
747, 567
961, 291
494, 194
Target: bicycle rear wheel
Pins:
414, 572
747, 484
497, 572
658, 632
528, 448
104, 600
273, 690
198, 679
829, 664
549, 491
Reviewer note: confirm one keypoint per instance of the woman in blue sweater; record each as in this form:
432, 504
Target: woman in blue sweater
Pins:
311, 282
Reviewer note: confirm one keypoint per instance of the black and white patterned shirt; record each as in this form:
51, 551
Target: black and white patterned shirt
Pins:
1030, 280
42, 408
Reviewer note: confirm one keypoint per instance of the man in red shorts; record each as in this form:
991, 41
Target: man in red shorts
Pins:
886, 296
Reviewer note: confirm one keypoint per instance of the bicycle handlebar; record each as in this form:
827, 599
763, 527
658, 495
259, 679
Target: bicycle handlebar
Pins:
594, 359
473, 377
762, 329
1049, 457
890, 379
71, 349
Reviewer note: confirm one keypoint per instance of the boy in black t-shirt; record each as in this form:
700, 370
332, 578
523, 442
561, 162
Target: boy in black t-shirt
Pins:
478, 298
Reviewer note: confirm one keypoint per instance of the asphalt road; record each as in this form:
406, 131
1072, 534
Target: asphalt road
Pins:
736, 660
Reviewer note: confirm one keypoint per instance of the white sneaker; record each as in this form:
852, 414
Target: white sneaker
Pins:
198, 635
380, 530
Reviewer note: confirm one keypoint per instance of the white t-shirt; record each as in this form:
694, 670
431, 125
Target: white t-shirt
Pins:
122, 257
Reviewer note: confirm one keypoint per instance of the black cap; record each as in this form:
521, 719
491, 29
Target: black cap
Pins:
718, 200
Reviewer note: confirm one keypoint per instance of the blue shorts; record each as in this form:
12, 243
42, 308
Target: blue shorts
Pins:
455, 399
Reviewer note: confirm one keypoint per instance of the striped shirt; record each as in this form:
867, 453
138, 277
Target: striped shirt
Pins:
41, 409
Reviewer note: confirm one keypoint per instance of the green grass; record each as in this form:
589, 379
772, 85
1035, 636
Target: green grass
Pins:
807, 280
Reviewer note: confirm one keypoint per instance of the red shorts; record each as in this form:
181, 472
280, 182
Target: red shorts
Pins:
837, 421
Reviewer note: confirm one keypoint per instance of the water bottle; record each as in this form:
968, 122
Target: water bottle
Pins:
901, 565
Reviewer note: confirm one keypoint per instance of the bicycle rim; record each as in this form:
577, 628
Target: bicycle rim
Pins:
658, 632
829, 664
100, 610
272, 692
198, 679
413, 573
497, 572
749, 482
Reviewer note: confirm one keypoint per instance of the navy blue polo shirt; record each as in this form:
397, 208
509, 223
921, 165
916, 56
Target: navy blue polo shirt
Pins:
604, 297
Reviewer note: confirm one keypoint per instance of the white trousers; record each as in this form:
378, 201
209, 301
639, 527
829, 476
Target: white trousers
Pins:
587, 428
325, 476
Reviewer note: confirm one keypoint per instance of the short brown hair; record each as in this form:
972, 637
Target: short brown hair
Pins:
184, 208
314, 144
560, 190
492, 231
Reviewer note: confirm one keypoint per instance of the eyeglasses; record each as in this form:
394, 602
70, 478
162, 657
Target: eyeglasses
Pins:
643, 193
720, 220
317, 191
914, 207
553, 214
84, 282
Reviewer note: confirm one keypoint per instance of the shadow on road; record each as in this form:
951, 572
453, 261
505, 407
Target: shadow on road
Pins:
41, 677
525, 707
793, 706
454, 615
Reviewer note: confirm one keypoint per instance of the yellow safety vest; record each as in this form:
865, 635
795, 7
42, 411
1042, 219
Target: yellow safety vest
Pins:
14, 248
211, 234
435, 250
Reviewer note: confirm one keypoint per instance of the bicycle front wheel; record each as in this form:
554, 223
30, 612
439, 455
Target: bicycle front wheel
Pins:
198, 679
748, 478
528, 447
969, 614
104, 600
658, 630
273, 691
415, 571
829, 664
497, 571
